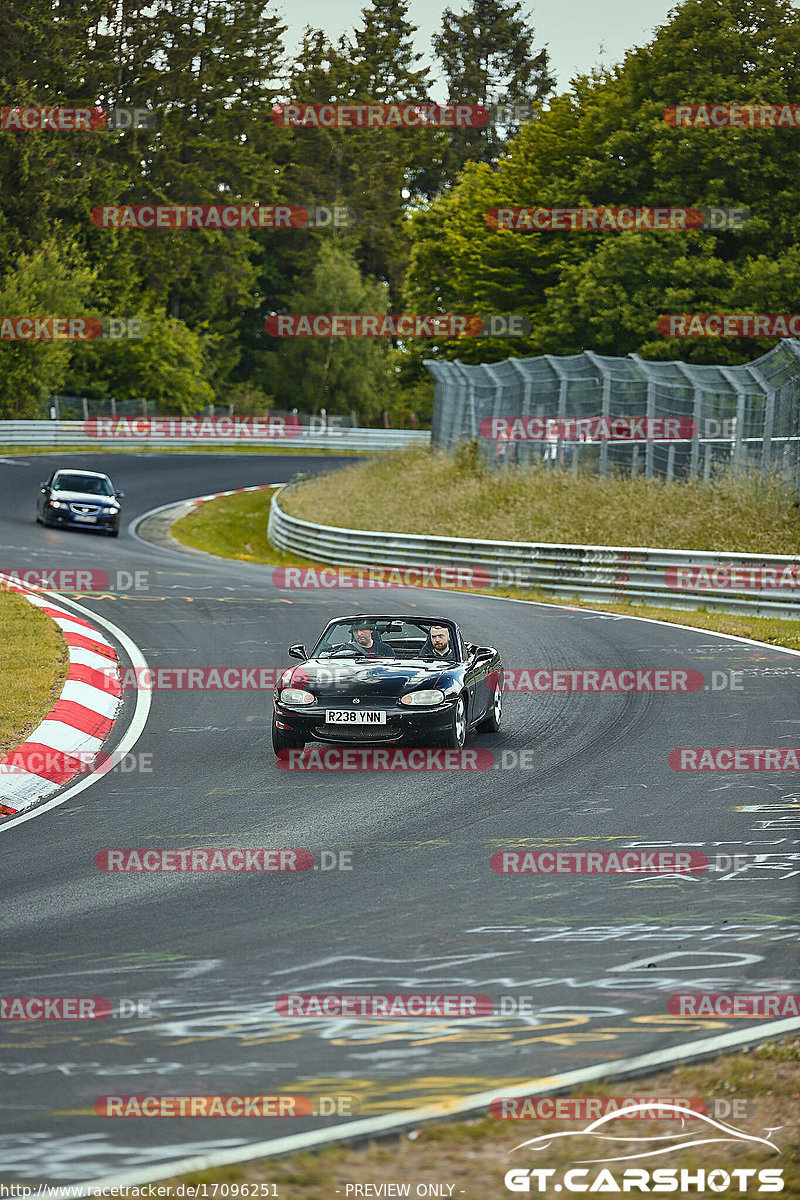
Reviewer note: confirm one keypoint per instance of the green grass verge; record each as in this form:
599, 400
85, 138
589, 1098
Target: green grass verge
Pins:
236, 527
473, 1155
33, 668
416, 491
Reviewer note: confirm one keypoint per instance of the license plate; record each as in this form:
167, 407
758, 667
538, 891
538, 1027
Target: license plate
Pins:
355, 716
85, 518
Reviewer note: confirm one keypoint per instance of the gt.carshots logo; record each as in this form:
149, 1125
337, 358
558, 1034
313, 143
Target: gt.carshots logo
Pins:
579, 429
698, 1129
235, 428
397, 325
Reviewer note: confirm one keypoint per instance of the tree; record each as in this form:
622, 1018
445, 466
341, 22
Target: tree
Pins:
337, 374
605, 142
488, 57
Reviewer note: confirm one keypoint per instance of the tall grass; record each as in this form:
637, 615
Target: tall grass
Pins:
419, 491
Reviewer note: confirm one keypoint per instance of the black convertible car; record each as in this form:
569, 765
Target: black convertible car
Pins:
378, 679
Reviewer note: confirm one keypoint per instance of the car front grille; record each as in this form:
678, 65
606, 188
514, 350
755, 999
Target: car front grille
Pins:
357, 733
85, 509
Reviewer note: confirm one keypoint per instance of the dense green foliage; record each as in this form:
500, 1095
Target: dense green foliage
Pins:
418, 241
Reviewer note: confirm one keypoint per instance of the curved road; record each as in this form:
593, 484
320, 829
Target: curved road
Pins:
420, 910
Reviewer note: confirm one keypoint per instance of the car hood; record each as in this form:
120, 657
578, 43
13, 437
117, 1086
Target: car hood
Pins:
83, 498
337, 677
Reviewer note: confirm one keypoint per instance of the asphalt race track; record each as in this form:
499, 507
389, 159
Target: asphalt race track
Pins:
421, 910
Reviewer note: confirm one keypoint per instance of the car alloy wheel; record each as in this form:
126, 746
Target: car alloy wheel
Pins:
455, 739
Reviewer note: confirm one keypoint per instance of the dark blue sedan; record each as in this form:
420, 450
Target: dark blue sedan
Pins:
79, 500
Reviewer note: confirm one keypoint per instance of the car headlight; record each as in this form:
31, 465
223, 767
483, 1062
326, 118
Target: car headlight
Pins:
296, 696
429, 696
113, 510
57, 504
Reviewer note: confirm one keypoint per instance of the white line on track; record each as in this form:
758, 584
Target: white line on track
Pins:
129, 738
550, 1085
477, 1103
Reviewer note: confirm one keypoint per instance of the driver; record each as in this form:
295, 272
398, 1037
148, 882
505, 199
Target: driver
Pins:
439, 644
370, 643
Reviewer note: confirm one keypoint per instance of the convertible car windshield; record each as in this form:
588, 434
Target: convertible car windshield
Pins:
386, 638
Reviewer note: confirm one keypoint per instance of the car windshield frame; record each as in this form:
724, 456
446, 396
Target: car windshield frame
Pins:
57, 484
422, 624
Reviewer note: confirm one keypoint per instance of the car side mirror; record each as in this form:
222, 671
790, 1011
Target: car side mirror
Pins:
120, 495
297, 651
42, 487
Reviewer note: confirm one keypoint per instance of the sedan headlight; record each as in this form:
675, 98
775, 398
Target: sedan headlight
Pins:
57, 504
296, 696
429, 696
113, 509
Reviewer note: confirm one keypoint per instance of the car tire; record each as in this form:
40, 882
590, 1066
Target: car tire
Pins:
113, 533
491, 722
457, 734
284, 741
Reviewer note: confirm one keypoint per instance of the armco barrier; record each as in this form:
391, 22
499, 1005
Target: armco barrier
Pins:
41, 434
603, 573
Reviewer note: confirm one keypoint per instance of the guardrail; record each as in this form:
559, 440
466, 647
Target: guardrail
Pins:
611, 574
71, 433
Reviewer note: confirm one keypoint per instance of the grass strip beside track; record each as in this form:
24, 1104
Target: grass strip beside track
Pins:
423, 492
33, 668
236, 527
473, 1155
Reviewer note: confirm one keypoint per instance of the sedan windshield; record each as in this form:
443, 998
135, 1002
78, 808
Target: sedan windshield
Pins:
92, 485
